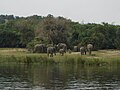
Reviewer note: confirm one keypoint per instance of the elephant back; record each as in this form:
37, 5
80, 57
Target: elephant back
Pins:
75, 48
82, 49
40, 48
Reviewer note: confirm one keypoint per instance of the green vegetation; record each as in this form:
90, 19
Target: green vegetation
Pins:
25, 32
22, 32
99, 58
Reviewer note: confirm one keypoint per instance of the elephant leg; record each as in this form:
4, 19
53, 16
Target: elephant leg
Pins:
42, 49
55, 53
48, 54
52, 55
90, 52
81, 53
85, 52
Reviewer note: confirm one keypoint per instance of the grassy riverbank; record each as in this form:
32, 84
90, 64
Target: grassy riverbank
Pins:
101, 57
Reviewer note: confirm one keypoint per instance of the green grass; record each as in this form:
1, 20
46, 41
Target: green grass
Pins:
99, 58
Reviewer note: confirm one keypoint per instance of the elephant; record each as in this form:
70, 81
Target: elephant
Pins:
51, 51
75, 48
61, 51
83, 50
89, 48
40, 48
62, 46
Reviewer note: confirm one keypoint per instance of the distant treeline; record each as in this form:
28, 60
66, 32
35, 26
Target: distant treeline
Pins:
24, 32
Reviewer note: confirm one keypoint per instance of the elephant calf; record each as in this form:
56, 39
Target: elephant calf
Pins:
62, 46
61, 51
82, 50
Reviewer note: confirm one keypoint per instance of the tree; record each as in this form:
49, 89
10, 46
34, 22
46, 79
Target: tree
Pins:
117, 40
53, 29
9, 39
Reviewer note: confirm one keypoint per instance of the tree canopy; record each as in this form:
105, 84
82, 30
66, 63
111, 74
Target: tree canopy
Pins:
18, 31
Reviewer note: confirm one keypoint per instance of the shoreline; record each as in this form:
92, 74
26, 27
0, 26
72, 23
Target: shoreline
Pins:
99, 58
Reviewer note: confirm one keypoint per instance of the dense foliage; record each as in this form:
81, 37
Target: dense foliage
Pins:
18, 31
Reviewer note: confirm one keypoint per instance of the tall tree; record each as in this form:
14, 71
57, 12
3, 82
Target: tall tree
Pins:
53, 29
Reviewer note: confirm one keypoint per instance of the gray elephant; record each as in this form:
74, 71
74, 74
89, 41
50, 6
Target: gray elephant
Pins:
51, 51
61, 51
75, 48
83, 50
62, 46
40, 48
89, 48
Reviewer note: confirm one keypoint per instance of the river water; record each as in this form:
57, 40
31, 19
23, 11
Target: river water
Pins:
58, 77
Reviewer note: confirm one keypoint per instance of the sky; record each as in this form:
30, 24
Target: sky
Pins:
83, 11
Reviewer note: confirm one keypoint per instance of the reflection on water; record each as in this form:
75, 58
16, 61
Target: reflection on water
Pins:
58, 77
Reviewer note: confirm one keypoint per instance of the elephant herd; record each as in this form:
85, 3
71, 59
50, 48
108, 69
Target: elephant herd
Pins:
61, 48
50, 49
